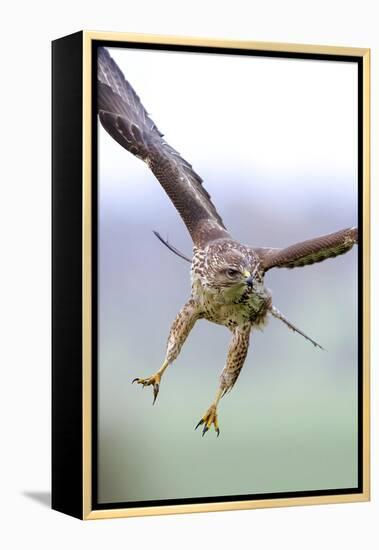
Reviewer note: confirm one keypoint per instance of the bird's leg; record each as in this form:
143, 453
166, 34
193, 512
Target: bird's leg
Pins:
179, 331
236, 357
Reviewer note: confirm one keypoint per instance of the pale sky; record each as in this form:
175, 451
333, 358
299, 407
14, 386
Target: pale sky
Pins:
265, 116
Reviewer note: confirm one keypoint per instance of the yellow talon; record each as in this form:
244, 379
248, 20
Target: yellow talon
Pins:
153, 380
208, 419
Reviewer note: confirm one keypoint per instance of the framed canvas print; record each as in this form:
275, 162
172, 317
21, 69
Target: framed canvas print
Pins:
210, 247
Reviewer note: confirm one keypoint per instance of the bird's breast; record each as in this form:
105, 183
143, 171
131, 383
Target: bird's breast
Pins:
251, 307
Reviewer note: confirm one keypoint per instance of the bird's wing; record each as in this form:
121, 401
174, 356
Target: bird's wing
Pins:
124, 117
309, 252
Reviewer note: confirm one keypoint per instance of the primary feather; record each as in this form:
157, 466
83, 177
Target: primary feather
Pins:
124, 117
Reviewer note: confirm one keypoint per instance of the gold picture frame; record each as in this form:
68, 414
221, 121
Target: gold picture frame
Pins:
73, 444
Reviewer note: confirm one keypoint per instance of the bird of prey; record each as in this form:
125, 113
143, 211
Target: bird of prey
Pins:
227, 277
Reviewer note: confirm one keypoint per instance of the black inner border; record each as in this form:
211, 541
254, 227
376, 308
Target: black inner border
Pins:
224, 51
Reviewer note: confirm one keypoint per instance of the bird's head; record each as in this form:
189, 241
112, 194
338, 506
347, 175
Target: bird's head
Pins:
228, 270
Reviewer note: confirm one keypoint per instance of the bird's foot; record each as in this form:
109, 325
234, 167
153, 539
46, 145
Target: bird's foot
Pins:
153, 380
208, 419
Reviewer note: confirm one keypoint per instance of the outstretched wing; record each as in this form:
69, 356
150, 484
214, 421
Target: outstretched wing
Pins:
123, 116
309, 252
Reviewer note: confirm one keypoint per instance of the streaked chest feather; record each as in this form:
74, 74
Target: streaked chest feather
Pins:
247, 306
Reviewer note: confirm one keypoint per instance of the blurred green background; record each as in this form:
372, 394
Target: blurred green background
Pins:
290, 423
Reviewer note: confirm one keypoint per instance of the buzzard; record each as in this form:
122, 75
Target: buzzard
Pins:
227, 277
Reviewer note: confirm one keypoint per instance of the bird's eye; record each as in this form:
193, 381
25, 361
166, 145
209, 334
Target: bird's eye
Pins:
232, 272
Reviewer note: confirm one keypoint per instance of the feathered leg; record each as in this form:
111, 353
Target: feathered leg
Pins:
236, 357
179, 331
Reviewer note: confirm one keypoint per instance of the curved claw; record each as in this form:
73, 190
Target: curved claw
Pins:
155, 392
199, 423
208, 419
151, 381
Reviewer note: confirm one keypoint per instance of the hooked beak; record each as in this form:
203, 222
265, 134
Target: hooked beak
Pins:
249, 279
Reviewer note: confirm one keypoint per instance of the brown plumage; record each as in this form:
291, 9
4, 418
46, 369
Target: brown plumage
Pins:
310, 251
227, 276
126, 120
